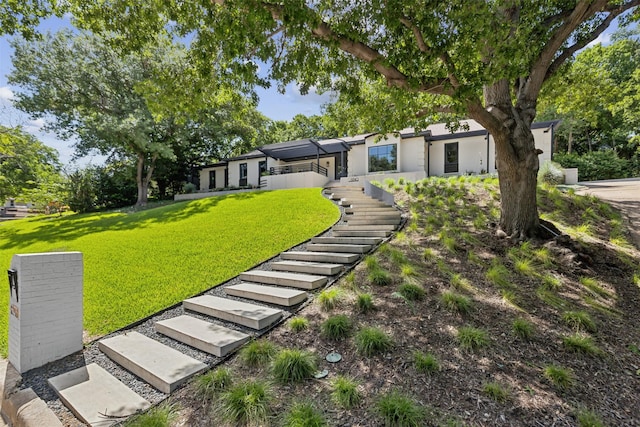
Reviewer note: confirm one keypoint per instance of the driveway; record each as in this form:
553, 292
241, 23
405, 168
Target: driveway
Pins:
623, 194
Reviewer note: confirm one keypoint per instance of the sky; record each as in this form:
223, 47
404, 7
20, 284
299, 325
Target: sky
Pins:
272, 104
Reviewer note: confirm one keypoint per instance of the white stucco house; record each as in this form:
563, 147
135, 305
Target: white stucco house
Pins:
435, 151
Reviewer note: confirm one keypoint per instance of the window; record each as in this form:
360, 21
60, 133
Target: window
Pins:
451, 157
262, 167
212, 180
383, 158
243, 175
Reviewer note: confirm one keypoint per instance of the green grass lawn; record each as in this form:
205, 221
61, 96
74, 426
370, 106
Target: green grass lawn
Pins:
138, 263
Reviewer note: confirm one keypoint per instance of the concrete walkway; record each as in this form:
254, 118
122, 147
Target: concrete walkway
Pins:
623, 194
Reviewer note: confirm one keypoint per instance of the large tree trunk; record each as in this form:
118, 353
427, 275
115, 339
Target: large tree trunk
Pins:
143, 177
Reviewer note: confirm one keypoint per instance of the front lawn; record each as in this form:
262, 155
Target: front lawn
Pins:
139, 263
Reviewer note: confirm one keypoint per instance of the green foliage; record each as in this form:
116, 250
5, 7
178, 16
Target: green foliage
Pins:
258, 353
364, 303
461, 283
522, 328
455, 302
397, 410
579, 320
588, 418
471, 338
496, 392
162, 415
213, 382
298, 323
371, 262
498, 274
303, 414
596, 165
551, 173
425, 362
380, 277
562, 378
336, 327
411, 292
329, 298
582, 344
291, 365
592, 285
551, 282
371, 341
345, 392
246, 403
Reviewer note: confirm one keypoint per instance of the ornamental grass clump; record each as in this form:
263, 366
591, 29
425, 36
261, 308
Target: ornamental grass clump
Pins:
329, 298
471, 338
336, 327
258, 353
579, 320
303, 414
398, 410
345, 392
364, 303
292, 365
246, 403
213, 382
298, 324
425, 363
562, 378
371, 341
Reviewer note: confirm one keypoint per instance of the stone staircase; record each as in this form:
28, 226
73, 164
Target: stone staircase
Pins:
223, 319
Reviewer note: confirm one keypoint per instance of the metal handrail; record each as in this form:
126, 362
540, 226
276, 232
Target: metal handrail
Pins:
297, 168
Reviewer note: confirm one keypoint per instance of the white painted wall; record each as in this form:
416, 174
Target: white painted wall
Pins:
204, 177
296, 180
357, 160
411, 158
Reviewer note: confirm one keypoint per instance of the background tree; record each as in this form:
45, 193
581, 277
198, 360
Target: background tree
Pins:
486, 60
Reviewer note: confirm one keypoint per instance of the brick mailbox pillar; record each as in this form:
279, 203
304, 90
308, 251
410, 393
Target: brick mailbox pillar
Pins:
45, 308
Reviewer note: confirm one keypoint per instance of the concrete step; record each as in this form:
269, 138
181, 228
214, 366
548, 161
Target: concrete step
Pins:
370, 227
341, 248
370, 233
205, 336
282, 278
372, 221
357, 203
363, 214
249, 315
347, 240
159, 365
96, 397
372, 210
307, 267
320, 257
271, 294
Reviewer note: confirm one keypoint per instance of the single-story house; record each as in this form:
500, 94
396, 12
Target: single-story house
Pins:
435, 151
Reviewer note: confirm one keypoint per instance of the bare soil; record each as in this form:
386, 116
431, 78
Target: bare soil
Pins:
607, 384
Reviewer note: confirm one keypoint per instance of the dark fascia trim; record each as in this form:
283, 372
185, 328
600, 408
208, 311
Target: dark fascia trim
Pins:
246, 157
482, 132
213, 165
426, 133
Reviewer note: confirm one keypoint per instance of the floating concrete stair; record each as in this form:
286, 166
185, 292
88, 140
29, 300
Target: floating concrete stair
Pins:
282, 278
371, 227
249, 315
96, 397
372, 221
328, 247
355, 233
308, 267
347, 240
159, 365
205, 336
371, 210
393, 214
332, 257
271, 294
362, 203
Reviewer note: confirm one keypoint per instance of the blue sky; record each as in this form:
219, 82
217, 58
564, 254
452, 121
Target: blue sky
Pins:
272, 104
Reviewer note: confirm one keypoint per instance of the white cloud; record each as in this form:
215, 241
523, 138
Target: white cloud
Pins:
6, 94
35, 125
604, 39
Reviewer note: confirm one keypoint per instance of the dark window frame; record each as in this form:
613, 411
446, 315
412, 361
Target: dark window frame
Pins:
212, 182
451, 157
386, 158
244, 173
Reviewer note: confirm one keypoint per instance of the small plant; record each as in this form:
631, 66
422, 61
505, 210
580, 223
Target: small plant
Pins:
303, 414
496, 392
560, 377
258, 353
298, 323
371, 262
371, 340
522, 328
587, 418
411, 292
397, 257
329, 298
498, 275
425, 362
429, 254
461, 283
581, 343
158, 416
291, 365
350, 281
524, 267
336, 327
579, 320
544, 257
551, 298
217, 380
246, 403
456, 303
364, 303
345, 392
398, 410
551, 282
636, 279
407, 271
594, 287
380, 277
471, 338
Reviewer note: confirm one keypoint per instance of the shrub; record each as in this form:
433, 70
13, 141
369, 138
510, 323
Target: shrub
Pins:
364, 302
596, 165
411, 292
336, 327
158, 416
303, 414
214, 381
246, 403
551, 173
345, 392
425, 362
258, 353
455, 302
579, 320
380, 277
496, 392
560, 377
298, 324
291, 365
370, 341
472, 338
329, 298
522, 328
398, 410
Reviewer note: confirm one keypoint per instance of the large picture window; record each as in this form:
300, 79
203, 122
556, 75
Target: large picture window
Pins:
243, 174
383, 158
451, 157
